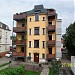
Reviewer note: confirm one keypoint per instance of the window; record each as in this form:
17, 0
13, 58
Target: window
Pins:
0, 39
0, 34
0, 25
7, 27
5, 47
43, 56
50, 36
36, 16
22, 49
29, 31
5, 40
43, 19
22, 37
50, 50
29, 54
29, 44
43, 31
36, 31
43, 44
23, 25
50, 23
36, 43
30, 19
0, 48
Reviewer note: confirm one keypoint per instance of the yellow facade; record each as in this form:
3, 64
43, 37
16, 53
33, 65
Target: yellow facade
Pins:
41, 24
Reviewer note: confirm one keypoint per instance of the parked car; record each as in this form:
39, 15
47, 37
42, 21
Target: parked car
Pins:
9, 54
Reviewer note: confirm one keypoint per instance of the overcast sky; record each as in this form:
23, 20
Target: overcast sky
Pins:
64, 8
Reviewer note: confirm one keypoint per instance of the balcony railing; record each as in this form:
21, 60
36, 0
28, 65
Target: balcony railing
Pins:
20, 16
51, 12
51, 28
19, 42
21, 54
51, 42
50, 56
19, 29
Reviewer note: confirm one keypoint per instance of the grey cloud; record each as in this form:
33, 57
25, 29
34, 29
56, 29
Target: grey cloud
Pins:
64, 8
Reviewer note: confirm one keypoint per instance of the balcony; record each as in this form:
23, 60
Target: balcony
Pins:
51, 12
51, 43
21, 16
19, 29
19, 54
19, 42
51, 28
49, 56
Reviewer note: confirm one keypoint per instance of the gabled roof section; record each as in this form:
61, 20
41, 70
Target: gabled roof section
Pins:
37, 9
4, 26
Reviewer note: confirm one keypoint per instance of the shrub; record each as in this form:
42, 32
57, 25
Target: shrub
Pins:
55, 67
13, 71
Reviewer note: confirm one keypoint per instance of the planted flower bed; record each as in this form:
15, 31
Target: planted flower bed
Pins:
20, 70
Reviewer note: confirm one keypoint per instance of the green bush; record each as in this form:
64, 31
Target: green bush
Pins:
54, 70
13, 71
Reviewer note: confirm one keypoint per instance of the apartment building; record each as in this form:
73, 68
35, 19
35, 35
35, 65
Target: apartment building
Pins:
4, 39
38, 34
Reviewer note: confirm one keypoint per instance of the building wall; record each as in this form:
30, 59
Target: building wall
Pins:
5, 41
32, 37
41, 24
58, 39
72, 64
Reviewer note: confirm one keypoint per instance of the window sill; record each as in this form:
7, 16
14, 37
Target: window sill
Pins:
43, 34
44, 48
36, 34
36, 20
36, 47
43, 20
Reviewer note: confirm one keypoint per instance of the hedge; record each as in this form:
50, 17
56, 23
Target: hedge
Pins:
13, 71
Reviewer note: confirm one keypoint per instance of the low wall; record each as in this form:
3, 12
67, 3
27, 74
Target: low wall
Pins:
73, 64
3, 53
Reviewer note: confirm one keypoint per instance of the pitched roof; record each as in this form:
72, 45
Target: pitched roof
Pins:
37, 8
4, 26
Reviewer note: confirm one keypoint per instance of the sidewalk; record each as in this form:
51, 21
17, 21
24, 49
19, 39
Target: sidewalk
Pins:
45, 70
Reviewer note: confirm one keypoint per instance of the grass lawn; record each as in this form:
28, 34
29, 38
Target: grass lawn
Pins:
31, 73
26, 72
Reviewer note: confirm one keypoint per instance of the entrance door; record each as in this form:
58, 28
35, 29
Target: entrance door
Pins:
36, 57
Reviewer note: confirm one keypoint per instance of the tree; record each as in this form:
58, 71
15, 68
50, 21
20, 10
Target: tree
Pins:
69, 39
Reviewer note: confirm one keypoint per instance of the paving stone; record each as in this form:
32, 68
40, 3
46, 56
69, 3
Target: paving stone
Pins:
45, 71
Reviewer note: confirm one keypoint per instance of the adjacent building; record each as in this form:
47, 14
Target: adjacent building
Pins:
4, 39
38, 34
